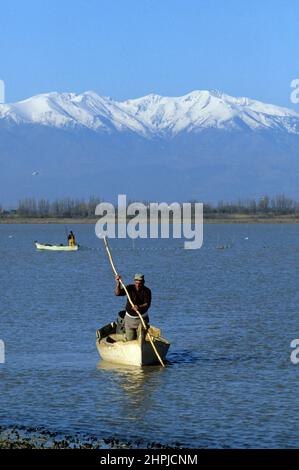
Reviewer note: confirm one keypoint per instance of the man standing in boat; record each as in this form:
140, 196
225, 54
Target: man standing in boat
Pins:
141, 297
71, 239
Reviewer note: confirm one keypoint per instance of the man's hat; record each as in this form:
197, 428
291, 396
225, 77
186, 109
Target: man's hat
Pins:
139, 277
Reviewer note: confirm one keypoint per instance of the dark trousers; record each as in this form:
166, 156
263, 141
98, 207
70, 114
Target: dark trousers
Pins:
131, 326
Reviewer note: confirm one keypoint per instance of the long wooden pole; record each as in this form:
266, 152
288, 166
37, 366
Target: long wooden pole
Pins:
130, 300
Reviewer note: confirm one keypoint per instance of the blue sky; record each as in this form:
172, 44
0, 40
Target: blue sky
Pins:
129, 48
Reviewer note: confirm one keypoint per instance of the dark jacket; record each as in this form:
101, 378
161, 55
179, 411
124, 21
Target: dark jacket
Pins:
143, 296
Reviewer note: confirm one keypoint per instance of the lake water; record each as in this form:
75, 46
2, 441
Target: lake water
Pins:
230, 315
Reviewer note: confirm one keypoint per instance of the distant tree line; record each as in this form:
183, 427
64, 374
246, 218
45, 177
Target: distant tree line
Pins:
81, 208
278, 205
60, 208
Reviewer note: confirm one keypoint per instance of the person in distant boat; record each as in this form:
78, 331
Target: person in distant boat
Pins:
141, 297
71, 239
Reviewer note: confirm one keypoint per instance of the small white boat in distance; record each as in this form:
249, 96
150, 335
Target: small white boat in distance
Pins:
113, 347
47, 246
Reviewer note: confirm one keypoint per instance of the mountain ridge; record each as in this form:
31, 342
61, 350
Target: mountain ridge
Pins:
205, 145
152, 114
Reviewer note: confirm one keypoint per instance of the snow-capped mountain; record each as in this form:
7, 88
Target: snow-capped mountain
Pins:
151, 115
205, 145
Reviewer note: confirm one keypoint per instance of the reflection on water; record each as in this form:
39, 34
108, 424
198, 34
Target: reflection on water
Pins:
123, 369
137, 384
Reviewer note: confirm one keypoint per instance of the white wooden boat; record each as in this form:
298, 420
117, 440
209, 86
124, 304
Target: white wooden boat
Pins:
113, 347
47, 246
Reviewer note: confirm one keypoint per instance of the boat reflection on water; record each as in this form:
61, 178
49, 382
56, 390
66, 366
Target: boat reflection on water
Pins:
138, 384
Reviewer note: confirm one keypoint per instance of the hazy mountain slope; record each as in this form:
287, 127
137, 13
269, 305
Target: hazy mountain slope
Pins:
203, 145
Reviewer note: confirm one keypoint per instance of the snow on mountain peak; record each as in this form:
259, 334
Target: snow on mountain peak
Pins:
152, 114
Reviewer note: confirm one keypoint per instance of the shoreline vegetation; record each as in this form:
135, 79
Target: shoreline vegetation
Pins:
214, 219
20, 437
279, 209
